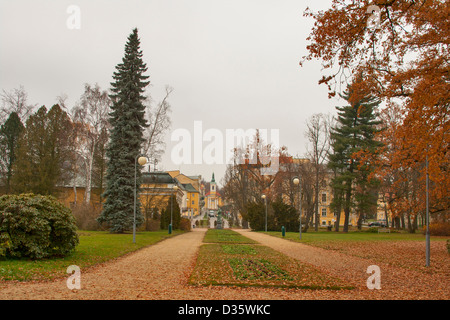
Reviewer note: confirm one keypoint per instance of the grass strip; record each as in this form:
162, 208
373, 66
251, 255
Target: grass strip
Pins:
312, 237
252, 265
95, 247
226, 236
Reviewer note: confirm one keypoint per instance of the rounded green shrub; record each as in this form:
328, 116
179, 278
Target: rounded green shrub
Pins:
35, 227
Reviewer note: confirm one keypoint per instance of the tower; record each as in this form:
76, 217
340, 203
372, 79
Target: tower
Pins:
213, 185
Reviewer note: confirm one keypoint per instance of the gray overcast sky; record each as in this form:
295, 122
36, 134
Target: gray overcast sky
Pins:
232, 63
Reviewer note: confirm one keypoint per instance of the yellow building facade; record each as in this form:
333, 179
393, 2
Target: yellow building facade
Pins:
190, 187
326, 215
156, 190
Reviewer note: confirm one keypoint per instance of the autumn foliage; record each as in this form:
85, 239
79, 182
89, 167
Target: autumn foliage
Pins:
401, 48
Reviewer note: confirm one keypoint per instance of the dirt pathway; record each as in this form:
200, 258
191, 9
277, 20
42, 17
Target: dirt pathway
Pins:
161, 272
158, 272
155, 272
396, 283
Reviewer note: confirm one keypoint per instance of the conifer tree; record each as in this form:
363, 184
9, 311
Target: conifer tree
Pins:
356, 126
126, 137
174, 209
9, 136
42, 151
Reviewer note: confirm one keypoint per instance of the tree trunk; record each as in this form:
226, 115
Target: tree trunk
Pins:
386, 214
360, 217
347, 207
397, 223
415, 226
75, 187
308, 220
89, 168
316, 195
346, 219
74, 194
338, 217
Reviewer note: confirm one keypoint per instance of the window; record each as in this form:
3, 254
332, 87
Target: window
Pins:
324, 197
324, 212
193, 202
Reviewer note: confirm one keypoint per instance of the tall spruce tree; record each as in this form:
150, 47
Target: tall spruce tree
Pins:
9, 137
127, 125
355, 129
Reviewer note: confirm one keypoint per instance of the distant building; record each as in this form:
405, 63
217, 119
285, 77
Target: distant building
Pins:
213, 199
156, 189
190, 187
280, 184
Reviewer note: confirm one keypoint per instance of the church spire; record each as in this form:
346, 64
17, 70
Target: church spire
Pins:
213, 180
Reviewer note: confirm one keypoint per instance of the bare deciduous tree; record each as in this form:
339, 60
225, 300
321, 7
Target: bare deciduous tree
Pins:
318, 135
91, 115
158, 118
245, 181
16, 101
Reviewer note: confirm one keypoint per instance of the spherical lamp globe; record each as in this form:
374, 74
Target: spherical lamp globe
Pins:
142, 160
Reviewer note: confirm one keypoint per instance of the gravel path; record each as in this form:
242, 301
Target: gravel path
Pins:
396, 283
161, 272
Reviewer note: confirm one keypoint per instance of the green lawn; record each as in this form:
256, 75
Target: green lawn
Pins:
311, 236
225, 236
95, 247
404, 250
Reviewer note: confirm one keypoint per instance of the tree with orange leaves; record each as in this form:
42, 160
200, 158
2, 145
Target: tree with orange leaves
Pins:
401, 48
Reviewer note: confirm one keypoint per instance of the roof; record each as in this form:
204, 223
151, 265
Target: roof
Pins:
157, 177
173, 173
189, 187
217, 194
184, 179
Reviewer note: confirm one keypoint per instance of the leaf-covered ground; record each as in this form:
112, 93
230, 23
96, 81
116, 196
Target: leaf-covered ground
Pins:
256, 266
162, 272
400, 258
402, 250
404, 254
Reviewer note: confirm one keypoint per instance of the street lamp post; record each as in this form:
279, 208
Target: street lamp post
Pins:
175, 188
297, 181
265, 204
142, 160
427, 240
